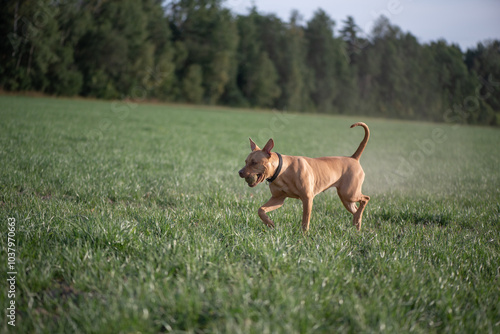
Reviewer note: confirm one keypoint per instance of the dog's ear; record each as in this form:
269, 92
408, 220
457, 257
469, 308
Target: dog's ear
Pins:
269, 146
253, 146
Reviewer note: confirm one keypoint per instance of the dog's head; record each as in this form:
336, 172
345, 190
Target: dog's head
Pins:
257, 164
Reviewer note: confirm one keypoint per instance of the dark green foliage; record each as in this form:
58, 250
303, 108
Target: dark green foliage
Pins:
257, 75
484, 62
192, 88
197, 51
321, 59
296, 77
209, 35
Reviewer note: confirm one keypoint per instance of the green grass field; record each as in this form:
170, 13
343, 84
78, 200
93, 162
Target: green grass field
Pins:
132, 218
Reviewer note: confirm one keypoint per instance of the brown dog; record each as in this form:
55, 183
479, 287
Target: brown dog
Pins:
303, 178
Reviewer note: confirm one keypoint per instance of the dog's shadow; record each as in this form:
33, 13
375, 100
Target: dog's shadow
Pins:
416, 218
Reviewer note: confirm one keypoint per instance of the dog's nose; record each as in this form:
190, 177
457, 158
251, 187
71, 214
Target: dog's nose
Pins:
241, 173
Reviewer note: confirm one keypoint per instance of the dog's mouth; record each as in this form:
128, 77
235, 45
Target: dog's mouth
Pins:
254, 179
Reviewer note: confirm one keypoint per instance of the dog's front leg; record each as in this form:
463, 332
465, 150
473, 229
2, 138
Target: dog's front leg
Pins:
273, 204
306, 214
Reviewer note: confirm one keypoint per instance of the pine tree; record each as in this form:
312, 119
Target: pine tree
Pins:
321, 61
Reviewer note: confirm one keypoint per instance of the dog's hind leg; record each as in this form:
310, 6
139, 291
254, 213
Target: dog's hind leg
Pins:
350, 206
356, 211
359, 214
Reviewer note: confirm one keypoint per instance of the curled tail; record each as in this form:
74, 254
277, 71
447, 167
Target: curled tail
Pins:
362, 146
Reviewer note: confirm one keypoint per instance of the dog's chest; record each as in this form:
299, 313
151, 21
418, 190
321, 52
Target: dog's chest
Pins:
279, 188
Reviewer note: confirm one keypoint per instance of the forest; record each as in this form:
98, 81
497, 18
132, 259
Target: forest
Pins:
198, 51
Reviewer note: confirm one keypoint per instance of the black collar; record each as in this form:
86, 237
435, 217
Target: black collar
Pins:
278, 170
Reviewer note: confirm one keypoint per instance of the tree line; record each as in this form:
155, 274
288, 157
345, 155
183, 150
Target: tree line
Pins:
198, 51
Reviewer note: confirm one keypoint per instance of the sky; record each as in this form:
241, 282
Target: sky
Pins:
462, 22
